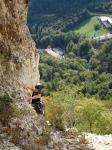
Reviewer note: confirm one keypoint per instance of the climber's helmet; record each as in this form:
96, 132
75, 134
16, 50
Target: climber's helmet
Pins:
39, 86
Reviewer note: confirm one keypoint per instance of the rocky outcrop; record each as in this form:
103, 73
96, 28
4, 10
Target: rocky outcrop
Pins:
99, 142
20, 125
68, 140
18, 58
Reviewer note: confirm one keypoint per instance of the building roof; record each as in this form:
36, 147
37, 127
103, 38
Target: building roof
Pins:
106, 24
105, 18
103, 37
59, 51
110, 20
52, 53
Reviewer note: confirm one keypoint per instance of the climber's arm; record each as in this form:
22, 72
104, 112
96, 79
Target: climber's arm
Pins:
29, 88
36, 96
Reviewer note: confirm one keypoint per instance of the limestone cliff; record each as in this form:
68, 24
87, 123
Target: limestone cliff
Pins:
19, 124
18, 58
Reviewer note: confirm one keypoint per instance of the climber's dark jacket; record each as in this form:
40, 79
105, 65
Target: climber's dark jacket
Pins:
37, 103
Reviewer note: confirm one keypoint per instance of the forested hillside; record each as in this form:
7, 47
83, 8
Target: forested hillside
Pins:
65, 7
83, 77
49, 19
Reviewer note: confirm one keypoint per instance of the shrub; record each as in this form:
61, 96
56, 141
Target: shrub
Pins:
94, 117
60, 108
53, 113
7, 109
97, 27
87, 115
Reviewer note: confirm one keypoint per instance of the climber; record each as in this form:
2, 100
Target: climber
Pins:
36, 99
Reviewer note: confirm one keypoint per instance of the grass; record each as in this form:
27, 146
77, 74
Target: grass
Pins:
87, 27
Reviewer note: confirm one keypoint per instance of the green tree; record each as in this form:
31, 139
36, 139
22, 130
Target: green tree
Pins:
97, 27
93, 115
84, 50
71, 47
105, 58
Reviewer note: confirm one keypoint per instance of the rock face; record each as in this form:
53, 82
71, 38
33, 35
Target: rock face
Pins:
18, 58
99, 142
18, 66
